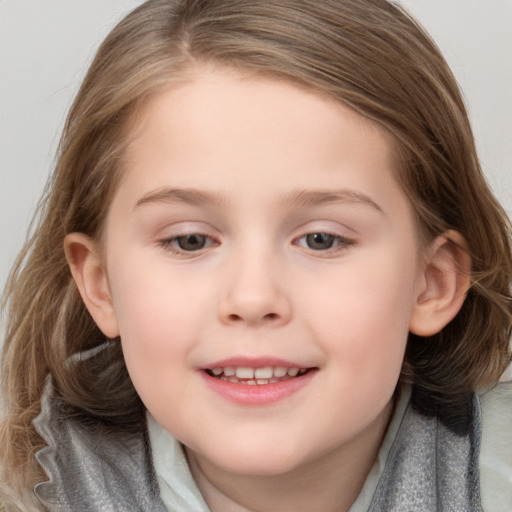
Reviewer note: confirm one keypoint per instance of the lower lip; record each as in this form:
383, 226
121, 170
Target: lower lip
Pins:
258, 394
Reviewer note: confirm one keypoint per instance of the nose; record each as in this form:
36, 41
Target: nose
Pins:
254, 294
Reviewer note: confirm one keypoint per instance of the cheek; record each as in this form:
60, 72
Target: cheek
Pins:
158, 332
158, 319
152, 299
361, 315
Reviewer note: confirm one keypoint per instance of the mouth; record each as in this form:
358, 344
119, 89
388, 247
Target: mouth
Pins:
257, 376
257, 382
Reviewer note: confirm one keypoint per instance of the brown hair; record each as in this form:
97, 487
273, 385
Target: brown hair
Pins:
368, 54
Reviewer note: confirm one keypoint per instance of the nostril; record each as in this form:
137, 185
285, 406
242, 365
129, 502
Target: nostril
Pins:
233, 317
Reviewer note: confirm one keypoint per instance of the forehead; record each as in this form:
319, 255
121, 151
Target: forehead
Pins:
221, 124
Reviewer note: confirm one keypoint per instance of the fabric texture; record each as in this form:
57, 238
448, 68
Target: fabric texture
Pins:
496, 452
429, 468
93, 469
178, 489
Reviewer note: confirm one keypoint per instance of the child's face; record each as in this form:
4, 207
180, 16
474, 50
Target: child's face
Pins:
259, 225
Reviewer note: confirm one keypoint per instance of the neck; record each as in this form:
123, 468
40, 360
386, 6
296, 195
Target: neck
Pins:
331, 482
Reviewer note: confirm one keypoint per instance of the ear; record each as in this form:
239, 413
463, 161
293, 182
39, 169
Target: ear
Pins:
90, 275
443, 285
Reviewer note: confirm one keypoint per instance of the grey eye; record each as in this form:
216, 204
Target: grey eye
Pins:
320, 241
191, 242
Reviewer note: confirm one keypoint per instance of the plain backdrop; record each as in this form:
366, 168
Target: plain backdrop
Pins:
45, 47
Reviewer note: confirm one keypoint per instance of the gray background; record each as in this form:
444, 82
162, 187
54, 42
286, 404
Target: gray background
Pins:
45, 47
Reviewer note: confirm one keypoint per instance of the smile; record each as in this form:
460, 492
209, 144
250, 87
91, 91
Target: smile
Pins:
256, 376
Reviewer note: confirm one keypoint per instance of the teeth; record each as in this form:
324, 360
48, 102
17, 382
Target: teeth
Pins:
280, 371
245, 373
263, 373
253, 376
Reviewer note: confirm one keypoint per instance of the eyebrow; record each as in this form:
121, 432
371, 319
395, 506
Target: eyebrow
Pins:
180, 195
308, 198
298, 198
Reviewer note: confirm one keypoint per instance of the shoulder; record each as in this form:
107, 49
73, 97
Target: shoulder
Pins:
496, 448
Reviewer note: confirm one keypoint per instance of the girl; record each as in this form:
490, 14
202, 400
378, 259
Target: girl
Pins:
268, 275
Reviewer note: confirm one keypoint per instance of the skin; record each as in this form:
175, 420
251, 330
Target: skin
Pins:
263, 154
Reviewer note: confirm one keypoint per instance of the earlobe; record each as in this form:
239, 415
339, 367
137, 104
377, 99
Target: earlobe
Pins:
90, 277
444, 283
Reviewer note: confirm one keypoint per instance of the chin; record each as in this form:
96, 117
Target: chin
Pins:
256, 461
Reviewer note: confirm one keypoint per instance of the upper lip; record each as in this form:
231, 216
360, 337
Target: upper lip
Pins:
253, 362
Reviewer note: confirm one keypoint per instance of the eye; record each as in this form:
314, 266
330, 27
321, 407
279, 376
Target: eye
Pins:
319, 241
187, 243
323, 241
192, 242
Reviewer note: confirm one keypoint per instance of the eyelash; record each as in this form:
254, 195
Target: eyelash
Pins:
340, 243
